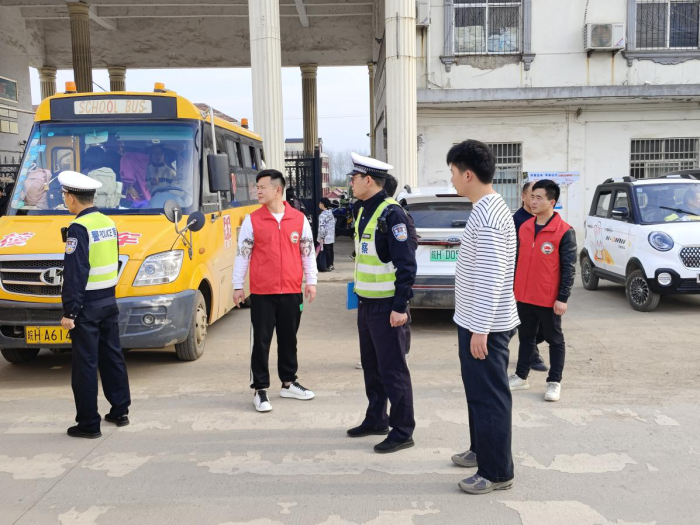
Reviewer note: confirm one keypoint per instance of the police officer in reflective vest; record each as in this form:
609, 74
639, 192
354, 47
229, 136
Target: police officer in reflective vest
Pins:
90, 272
385, 270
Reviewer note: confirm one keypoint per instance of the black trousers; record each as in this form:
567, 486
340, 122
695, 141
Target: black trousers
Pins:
280, 313
489, 403
330, 255
531, 318
387, 378
96, 347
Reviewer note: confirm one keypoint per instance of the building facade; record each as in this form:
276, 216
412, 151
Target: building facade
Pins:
602, 88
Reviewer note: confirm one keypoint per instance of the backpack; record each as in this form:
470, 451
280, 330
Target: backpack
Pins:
36, 186
109, 195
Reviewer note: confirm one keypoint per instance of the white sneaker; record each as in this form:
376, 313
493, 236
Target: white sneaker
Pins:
553, 392
262, 404
517, 383
296, 391
359, 365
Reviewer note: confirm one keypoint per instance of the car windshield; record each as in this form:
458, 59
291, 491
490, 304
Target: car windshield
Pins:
662, 203
140, 165
446, 214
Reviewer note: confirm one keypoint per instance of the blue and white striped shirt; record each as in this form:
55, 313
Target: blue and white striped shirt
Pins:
484, 300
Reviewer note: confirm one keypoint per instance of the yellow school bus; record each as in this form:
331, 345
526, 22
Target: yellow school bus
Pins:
154, 153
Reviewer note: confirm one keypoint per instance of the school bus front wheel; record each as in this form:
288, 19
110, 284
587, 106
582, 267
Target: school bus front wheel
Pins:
192, 347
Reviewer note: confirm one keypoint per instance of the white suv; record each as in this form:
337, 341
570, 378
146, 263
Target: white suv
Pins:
440, 216
644, 234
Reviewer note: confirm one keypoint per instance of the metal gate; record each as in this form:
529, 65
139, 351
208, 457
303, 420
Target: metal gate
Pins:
303, 174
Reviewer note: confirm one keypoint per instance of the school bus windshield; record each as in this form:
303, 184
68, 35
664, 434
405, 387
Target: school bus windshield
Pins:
140, 165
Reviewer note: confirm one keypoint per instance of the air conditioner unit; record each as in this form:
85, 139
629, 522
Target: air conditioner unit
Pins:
604, 37
422, 13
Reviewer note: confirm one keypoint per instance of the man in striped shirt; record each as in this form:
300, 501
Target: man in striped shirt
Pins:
486, 317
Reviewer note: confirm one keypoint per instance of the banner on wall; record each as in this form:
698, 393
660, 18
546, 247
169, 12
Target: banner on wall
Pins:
563, 178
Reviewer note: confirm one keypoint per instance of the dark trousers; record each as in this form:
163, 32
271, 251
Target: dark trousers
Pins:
383, 356
96, 347
330, 255
280, 313
531, 318
489, 403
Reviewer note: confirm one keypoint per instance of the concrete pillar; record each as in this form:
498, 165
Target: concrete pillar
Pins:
47, 79
401, 109
266, 69
310, 102
80, 42
117, 78
372, 123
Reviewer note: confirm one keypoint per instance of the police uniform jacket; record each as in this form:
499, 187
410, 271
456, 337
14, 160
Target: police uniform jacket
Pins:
76, 270
402, 253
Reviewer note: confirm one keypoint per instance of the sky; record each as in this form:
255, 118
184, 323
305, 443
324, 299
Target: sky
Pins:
343, 97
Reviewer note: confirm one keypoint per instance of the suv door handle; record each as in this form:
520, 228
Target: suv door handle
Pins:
608, 229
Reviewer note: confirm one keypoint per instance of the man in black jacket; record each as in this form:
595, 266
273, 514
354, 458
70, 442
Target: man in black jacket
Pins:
519, 217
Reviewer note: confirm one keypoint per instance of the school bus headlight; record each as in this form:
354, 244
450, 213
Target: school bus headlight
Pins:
161, 268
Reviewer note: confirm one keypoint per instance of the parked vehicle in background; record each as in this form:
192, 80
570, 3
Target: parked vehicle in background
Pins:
440, 216
644, 234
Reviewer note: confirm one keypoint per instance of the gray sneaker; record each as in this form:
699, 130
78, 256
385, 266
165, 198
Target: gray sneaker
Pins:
478, 485
465, 459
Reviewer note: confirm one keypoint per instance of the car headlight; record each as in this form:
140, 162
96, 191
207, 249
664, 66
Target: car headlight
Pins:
161, 268
660, 241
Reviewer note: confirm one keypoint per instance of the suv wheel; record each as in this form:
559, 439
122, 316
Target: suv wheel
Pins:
639, 295
588, 277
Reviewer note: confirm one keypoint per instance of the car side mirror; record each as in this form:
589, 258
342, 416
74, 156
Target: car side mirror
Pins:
621, 214
172, 211
219, 172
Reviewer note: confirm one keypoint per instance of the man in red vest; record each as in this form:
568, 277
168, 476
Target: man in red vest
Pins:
276, 242
544, 277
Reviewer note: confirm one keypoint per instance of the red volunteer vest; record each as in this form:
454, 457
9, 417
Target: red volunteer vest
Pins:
538, 275
275, 264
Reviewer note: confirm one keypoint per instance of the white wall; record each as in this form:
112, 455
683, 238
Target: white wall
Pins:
21, 46
596, 143
557, 41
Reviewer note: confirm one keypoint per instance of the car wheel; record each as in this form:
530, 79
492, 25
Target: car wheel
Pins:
588, 277
640, 296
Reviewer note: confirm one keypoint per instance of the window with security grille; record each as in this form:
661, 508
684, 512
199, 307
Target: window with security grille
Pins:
655, 157
668, 24
509, 171
488, 27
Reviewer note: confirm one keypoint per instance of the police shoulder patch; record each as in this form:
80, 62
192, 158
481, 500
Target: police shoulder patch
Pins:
71, 245
400, 232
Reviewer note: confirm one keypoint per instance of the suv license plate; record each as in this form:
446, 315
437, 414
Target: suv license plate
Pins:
39, 335
443, 255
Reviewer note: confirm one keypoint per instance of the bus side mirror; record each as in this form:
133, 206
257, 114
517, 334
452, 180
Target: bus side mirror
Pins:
219, 172
172, 211
196, 221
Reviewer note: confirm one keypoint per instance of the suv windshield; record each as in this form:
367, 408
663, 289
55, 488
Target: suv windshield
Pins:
661, 203
140, 166
447, 214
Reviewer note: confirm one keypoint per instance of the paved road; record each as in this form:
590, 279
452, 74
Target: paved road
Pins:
621, 447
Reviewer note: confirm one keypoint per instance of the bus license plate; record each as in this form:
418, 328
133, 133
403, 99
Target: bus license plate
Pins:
40, 335
443, 255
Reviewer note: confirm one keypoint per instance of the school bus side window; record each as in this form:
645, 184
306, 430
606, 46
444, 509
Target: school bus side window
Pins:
254, 157
247, 162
